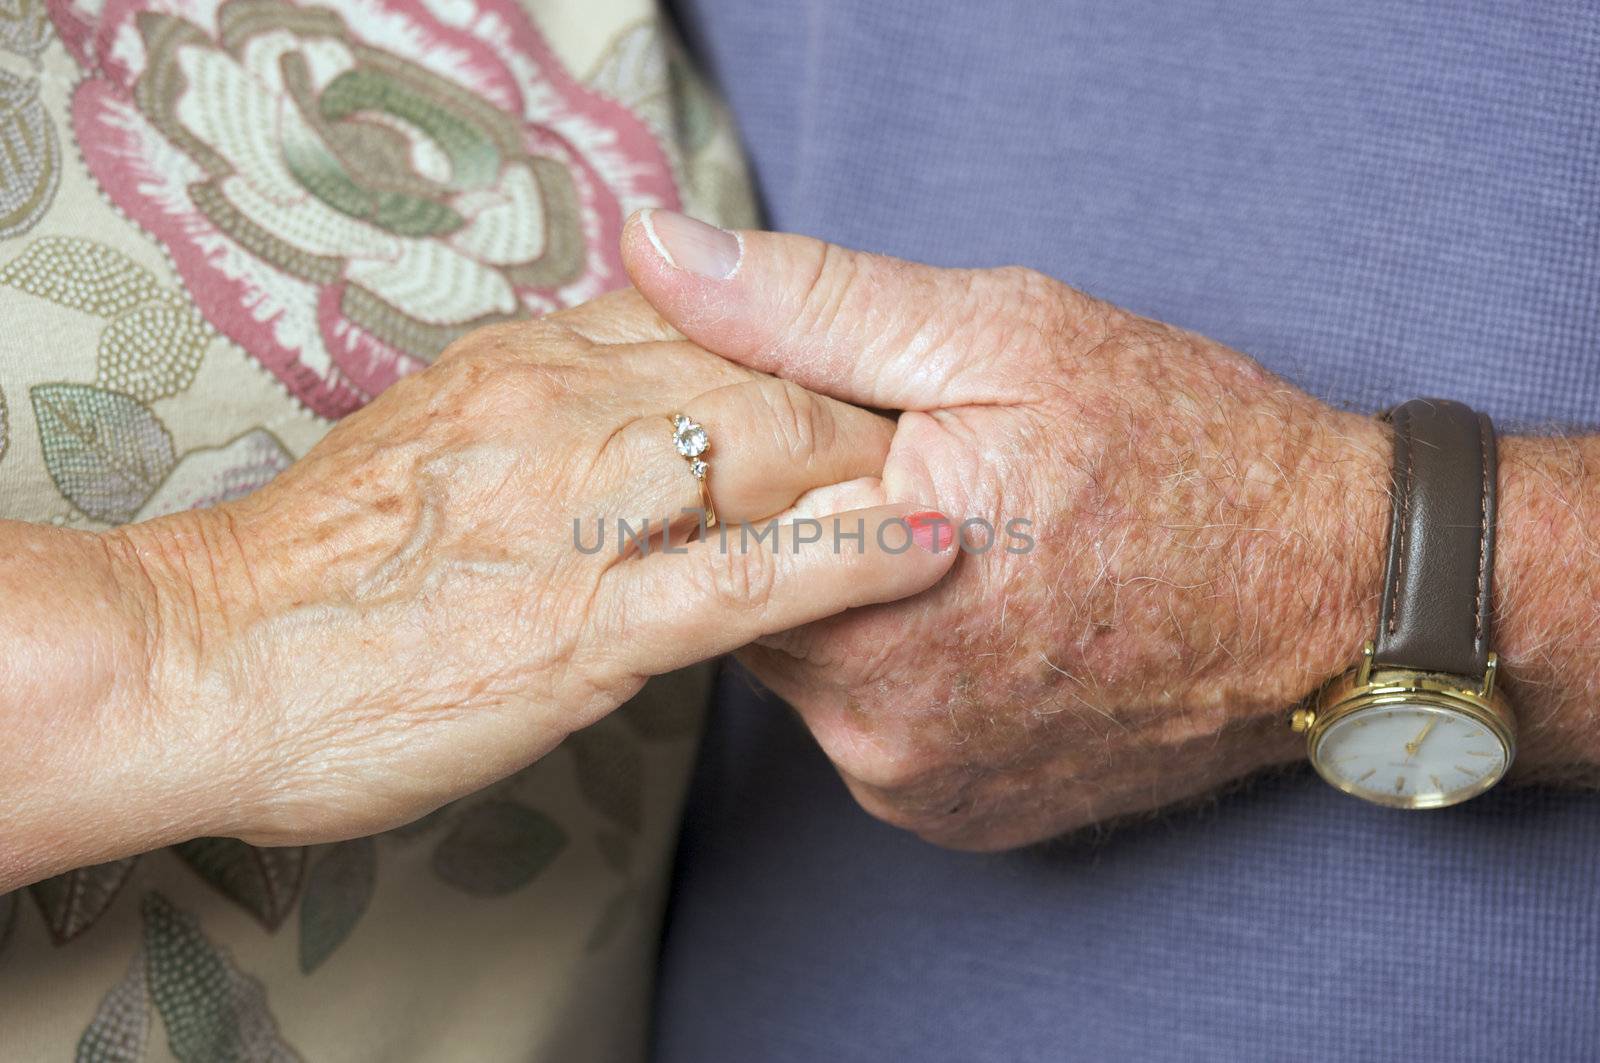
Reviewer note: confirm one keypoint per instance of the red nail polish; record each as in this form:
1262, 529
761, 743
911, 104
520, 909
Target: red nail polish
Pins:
932, 531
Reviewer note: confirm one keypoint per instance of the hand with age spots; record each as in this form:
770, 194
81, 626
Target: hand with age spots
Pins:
1208, 538
407, 614
1209, 541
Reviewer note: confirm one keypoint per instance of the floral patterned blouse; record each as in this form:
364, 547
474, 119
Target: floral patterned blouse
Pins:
224, 224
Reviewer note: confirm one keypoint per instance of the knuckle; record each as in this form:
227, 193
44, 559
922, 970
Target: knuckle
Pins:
993, 314
1027, 282
893, 813
487, 396
801, 425
534, 385
737, 578
523, 341
864, 653
957, 833
824, 293
893, 772
1029, 298
485, 338
1031, 288
1038, 307
927, 805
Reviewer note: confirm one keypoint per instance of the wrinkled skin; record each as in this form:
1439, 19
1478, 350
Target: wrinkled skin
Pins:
402, 617
1208, 539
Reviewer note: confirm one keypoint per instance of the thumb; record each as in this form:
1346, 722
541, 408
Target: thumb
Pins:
863, 328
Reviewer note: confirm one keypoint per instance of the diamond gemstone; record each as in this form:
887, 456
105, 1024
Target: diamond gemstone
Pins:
698, 469
690, 439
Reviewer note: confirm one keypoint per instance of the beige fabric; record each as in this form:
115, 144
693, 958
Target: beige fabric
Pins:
186, 305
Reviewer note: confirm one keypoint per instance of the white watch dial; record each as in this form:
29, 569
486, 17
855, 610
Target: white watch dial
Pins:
1411, 755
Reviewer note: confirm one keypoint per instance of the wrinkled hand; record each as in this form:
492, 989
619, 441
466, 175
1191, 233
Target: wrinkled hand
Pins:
1207, 536
405, 616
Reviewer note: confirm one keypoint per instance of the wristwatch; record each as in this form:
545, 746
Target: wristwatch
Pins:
1418, 723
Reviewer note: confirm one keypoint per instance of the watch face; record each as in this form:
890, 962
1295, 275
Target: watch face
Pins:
1410, 754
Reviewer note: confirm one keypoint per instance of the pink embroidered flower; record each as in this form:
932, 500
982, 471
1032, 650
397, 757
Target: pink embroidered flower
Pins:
348, 187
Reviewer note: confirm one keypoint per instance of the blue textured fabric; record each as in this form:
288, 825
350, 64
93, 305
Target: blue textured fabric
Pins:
1377, 198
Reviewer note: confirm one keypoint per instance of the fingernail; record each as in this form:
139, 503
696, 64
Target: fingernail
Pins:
932, 531
693, 245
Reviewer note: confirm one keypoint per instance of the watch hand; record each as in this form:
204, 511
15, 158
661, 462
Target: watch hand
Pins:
1416, 743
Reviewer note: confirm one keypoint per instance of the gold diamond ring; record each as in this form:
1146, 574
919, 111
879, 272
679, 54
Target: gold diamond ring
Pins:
690, 439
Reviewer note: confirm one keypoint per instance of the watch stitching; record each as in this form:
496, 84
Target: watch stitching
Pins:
1480, 603
1404, 437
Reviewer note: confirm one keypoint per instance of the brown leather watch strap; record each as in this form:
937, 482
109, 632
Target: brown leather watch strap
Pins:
1435, 613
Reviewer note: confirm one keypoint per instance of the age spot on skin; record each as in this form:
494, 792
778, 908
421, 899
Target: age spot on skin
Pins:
401, 566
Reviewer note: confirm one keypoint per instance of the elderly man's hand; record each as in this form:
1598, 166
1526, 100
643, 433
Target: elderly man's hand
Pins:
1208, 538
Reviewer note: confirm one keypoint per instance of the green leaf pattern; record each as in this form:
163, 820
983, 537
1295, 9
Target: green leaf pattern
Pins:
71, 902
610, 769
154, 349
496, 847
612, 919
24, 27
212, 1012
120, 1028
104, 447
616, 850
30, 154
669, 707
154, 339
263, 881
82, 275
106, 451
337, 894
208, 475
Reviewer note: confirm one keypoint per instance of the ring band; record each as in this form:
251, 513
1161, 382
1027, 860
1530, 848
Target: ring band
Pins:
690, 440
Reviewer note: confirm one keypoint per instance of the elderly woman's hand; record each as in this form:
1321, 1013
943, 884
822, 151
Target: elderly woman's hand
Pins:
410, 612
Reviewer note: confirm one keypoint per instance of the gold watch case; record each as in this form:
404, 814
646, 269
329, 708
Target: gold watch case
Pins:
1368, 686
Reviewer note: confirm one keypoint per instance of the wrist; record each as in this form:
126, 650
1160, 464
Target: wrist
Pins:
1546, 629
1326, 587
95, 767
1546, 586
272, 614
186, 591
